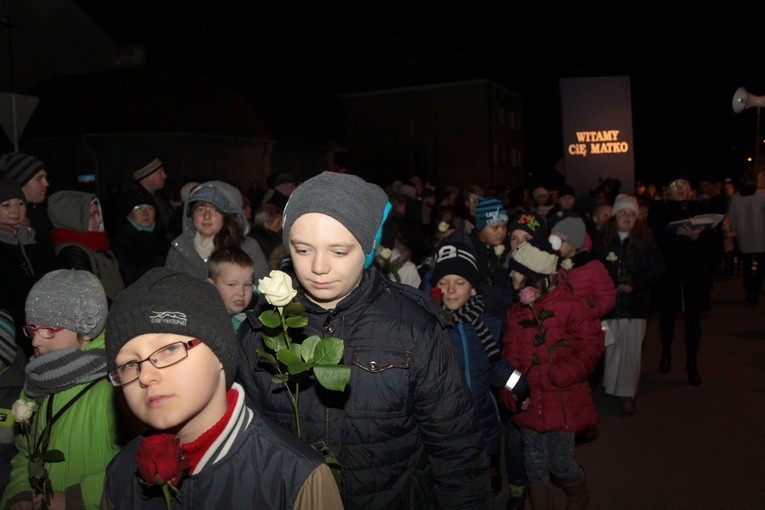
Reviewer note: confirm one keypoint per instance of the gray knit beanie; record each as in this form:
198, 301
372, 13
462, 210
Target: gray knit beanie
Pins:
359, 205
571, 230
164, 301
68, 298
224, 196
20, 167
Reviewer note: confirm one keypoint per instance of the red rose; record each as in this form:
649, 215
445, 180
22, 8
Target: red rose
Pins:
160, 461
437, 294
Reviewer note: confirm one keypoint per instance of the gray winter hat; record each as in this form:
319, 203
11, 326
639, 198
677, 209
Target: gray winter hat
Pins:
68, 298
20, 167
359, 205
224, 196
165, 301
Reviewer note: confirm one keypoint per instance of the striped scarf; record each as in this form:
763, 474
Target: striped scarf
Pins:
470, 313
63, 369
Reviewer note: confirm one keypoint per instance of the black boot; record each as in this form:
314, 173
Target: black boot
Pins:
693, 373
665, 365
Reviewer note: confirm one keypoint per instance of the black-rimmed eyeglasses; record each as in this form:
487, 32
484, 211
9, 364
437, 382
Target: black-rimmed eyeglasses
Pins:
161, 358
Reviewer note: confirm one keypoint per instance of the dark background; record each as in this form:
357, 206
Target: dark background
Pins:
685, 61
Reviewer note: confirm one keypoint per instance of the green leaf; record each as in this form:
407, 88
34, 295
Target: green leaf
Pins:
275, 343
298, 367
290, 355
297, 322
293, 310
544, 314
560, 343
539, 339
267, 356
329, 351
309, 346
53, 456
527, 323
535, 359
333, 377
270, 319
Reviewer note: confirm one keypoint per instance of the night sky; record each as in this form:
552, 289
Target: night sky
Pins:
685, 62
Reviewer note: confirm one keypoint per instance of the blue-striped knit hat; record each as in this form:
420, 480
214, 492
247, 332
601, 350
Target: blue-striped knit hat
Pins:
489, 211
7, 338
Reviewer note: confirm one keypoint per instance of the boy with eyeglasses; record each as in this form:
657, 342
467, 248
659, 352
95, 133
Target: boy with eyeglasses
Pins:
173, 352
75, 408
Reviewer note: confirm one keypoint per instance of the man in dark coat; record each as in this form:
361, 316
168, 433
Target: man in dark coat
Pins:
685, 285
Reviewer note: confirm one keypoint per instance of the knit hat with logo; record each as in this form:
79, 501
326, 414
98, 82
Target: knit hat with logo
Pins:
529, 222
454, 257
489, 211
535, 257
68, 298
20, 167
165, 301
360, 206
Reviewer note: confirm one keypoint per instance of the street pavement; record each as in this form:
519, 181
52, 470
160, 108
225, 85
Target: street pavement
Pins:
686, 447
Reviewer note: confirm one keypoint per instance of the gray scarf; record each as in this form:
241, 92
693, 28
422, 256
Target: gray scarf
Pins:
63, 369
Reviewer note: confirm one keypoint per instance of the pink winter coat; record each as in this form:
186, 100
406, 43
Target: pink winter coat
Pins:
589, 279
560, 394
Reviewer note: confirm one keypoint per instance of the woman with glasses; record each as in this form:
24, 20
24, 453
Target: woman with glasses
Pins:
213, 219
172, 352
23, 260
633, 261
136, 242
75, 413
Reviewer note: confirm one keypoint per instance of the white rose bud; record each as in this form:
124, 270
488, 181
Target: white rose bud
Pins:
611, 257
499, 249
22, 410
443, 226
566, 264
277, 288
385, 253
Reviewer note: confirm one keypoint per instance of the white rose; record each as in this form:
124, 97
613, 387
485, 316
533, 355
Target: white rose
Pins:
22, 411
277, 288
499, 249
443, 226
385, 253
567, 264
611, 257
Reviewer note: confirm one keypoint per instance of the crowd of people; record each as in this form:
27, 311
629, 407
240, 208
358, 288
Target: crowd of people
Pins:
471, 320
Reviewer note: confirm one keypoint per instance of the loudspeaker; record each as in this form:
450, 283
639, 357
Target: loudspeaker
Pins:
743, 99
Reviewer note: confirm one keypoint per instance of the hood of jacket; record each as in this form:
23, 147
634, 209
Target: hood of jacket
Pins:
224, 196
71, 209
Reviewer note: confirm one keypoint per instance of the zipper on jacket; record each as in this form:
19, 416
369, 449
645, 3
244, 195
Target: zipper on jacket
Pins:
328, 328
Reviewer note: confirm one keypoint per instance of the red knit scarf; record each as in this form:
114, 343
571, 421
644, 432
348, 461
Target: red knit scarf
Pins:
194, 450
92, 240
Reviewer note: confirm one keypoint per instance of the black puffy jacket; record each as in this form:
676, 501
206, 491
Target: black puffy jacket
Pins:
404, 429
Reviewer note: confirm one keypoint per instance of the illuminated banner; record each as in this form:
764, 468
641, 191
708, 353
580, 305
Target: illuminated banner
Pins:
597, 132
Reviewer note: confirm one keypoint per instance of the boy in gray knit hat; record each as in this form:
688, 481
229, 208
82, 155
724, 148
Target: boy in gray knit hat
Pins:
407, 411
172, 351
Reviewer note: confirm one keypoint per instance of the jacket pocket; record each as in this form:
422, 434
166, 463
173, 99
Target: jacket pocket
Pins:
380, 382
